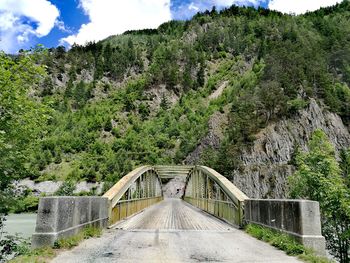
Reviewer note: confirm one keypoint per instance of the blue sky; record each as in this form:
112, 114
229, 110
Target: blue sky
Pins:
25, 23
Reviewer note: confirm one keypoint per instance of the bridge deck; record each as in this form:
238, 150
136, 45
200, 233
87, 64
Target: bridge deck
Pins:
173, 214
173, 231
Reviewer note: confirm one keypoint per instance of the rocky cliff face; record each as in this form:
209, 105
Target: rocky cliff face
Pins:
266, 165
216, 125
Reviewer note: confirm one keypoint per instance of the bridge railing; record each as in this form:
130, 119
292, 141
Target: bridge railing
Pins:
215, 194
135, 191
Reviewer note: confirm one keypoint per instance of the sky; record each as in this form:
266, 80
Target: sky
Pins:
26, 23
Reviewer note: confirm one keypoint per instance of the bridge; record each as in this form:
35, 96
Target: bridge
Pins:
175, 214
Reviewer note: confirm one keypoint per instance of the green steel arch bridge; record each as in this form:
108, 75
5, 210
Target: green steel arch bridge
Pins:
175, 214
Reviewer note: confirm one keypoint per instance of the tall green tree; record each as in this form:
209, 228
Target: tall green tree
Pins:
21, 121
319, 177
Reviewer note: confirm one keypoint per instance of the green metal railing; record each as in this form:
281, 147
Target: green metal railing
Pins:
215, 194
137, 190
205, 189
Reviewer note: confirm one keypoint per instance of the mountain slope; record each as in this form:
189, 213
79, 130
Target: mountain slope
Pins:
147, 96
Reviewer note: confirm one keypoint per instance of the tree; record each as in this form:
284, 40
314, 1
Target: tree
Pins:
201, 75
21, 121
81, 94
271, 98
345, 166
319, 177
144, 110
164, 103
47, 88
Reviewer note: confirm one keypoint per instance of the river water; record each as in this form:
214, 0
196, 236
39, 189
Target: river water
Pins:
23, 224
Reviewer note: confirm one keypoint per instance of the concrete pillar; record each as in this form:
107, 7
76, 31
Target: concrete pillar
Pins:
60, 217
298, 218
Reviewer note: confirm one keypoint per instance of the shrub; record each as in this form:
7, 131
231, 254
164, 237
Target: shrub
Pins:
66, 189
284, 242
88, 232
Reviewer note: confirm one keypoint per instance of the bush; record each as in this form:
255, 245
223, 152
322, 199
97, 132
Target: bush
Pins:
284, 242
26, 203
66, 189
297, 104
40, 255
13, 246
30, 203
108, 125
67, 243
88, 232
24, 254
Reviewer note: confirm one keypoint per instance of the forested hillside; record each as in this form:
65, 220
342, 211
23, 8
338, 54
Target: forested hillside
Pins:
95, 112
144, 96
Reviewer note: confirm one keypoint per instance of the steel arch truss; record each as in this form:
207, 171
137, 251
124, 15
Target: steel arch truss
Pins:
215, 194
135, 191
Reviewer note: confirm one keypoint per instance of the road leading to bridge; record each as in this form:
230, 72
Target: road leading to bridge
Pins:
174, 231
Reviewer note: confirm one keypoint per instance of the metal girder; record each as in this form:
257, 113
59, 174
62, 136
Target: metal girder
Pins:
134, 192
205, 189
215, 194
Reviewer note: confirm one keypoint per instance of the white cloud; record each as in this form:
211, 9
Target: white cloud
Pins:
61, 26
226, 3
192, 6
111, 17
300, 6
16, 21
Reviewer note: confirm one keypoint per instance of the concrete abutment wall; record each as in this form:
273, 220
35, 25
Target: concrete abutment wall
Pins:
298, 218
61, 217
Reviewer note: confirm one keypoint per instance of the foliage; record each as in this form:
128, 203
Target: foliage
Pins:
27, 203
22, 120
106, 121
109, 102
285, 243
66, 189
42, 255
12, 246
67, 243
47, 253
319, 177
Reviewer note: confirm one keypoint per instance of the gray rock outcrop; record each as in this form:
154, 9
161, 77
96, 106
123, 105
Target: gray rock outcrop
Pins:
212, 140
267, 164
50, 187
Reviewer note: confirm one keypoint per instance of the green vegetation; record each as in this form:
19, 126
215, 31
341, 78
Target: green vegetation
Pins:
67, 243
22, 121
106, 119
322, 178
43, 255
25, 203
97, 111
285, 243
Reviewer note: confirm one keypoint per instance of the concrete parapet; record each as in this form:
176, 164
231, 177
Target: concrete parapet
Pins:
60, 217
298, 218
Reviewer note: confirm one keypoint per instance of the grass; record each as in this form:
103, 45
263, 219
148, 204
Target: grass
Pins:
70, 242
286, 243
40, 255
46, 254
